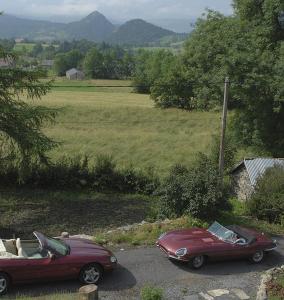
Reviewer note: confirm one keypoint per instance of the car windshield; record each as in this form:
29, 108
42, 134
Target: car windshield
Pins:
59, 246
222, 233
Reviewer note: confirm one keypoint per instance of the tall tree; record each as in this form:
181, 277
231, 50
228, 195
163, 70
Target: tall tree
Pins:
21, 137
93, 63
247, 47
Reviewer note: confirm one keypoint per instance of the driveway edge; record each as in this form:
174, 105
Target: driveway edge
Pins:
265, 278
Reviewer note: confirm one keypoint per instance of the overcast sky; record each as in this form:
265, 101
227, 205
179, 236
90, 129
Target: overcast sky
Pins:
115, 9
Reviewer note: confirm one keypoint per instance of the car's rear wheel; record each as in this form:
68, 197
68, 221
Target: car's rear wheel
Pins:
257, 257
198, 261
4, 283
91, 274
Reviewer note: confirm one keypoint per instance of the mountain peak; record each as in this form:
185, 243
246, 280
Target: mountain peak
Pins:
95, 14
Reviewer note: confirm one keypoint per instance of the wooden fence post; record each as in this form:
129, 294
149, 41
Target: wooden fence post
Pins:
88, 292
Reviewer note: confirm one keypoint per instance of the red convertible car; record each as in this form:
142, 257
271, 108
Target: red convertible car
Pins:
196, 245
45, 258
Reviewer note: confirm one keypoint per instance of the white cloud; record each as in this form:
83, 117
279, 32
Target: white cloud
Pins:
117, 9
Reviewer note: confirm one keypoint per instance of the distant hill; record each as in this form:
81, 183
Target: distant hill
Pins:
138, 32
95, 27
14, 27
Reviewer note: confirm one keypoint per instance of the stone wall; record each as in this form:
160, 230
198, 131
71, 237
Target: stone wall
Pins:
242, 186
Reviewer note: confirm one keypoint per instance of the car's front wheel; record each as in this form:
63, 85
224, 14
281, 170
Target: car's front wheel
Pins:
257, 257
91, 274
198, 261
4, 283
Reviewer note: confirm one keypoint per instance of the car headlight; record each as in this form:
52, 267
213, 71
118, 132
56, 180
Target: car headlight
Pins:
113, 259
162, 235
181, 252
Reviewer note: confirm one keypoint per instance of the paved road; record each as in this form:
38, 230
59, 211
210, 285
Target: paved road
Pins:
225, 280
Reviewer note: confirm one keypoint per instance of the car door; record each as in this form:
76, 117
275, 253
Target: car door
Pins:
56, 267
22, 269
239, 250
221, 250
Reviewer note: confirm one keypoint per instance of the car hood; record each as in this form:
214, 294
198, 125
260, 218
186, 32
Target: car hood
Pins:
84, 246
188, 238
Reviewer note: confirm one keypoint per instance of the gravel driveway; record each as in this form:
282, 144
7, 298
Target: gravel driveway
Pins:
225, 280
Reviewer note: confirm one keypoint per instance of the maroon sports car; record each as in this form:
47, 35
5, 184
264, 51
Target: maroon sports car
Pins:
196, 245
24, 261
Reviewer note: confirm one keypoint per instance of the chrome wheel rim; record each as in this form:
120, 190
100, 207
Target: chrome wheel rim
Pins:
198, 261
3, 284
91, 275
258, 256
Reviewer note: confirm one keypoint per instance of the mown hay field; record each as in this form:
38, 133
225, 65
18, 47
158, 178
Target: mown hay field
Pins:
96, 119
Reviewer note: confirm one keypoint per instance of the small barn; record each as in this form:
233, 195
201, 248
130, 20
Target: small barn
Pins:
74, 74
246, 174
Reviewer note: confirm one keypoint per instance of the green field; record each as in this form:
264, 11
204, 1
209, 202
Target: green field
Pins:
19, 47
125, 125
24, 46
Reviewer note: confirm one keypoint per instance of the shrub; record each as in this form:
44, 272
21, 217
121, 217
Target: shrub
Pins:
267, 201
197, 191
76, 173
151, 293
104, 174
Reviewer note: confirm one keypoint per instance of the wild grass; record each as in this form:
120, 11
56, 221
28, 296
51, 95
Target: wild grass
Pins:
111, 86
127, 126
51, 212
146, 234
276, 287
59, 296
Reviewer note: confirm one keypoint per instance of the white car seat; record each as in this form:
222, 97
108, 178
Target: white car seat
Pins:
21, 251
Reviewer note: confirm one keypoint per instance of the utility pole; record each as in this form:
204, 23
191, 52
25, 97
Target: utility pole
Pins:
224, 124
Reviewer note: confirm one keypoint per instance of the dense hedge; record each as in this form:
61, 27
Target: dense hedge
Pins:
267, 201
197, 191
76, 173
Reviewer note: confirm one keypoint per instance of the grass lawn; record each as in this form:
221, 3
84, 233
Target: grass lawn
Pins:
51, 212
125, 125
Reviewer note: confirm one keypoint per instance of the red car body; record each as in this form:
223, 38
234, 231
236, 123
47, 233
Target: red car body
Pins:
199, 242
56, 266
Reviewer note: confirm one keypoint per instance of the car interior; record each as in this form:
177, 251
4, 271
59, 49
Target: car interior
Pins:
16, 248
244, 237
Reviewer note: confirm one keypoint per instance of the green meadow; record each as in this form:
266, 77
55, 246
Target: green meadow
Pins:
97, 118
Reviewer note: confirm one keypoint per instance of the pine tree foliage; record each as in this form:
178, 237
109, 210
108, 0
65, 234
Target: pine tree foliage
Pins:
21, 137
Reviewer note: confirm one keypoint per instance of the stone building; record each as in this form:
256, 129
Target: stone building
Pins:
246, 174
74, 74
